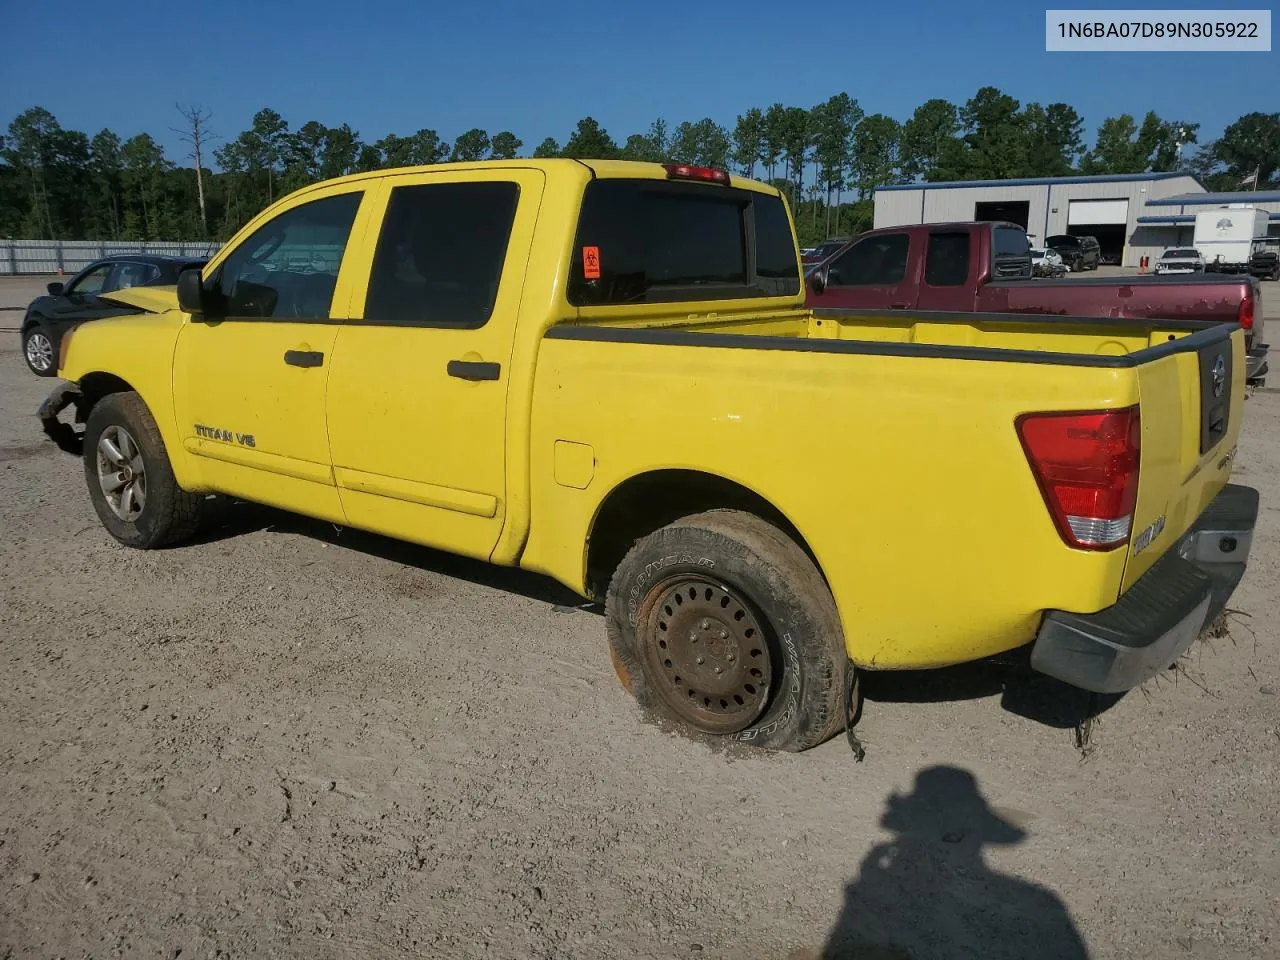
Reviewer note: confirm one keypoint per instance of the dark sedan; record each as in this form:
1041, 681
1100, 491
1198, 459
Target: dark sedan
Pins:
85, 297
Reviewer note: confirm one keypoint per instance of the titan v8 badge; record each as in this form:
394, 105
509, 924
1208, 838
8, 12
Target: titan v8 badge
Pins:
226, 436
1145, 538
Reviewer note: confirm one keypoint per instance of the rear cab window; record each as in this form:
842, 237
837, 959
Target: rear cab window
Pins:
657, 241
1010, 254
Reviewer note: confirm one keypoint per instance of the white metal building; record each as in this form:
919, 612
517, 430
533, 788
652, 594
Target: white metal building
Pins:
1132, 215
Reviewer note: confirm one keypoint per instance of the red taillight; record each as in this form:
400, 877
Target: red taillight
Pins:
687, 171
1087, 468
1244, 315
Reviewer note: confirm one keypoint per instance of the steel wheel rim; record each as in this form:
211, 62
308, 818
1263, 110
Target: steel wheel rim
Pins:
707, 652
40, 352
122, 475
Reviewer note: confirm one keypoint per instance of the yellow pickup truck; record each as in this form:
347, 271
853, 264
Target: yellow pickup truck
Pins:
605, 372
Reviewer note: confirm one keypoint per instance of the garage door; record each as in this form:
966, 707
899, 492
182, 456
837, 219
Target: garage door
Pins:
1097, 211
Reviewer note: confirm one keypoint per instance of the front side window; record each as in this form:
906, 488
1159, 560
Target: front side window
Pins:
651, 241
440, 254
93, 282
879, 260
288, 267
133, 275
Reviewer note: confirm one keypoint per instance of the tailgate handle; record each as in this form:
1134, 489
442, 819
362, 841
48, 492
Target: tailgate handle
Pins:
304, 358
474, 370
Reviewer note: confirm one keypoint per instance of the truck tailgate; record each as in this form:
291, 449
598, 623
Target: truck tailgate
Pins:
1191, 407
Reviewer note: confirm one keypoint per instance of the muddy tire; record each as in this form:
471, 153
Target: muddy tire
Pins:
130, 480
722, 624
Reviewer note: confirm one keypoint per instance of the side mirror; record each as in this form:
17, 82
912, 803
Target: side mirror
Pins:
191, 297
55, 289
818, 280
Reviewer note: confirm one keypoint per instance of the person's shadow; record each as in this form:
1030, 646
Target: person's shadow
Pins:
928, 893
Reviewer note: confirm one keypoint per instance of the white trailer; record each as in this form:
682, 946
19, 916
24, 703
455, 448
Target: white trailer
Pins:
1224, 236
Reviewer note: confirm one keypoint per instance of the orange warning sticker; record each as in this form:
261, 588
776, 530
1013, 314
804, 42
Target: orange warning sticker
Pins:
591, 263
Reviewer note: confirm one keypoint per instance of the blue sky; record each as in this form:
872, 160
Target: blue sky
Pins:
536, 68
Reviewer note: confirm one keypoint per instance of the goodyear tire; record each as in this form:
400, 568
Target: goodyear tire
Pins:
721, 623
130, 479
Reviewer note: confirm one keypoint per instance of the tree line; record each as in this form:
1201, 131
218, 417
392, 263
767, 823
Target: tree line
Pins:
58, 183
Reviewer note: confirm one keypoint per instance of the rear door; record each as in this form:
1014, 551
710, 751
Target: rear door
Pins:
417, 397
873, 274
949, 265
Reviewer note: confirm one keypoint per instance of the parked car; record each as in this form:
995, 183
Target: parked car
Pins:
983, 267
86, 296
1078, 253
586, 369
1180, 260
1046, 262
1264, 262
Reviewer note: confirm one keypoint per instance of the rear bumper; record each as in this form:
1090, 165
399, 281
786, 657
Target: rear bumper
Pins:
1161, 615
1255, 364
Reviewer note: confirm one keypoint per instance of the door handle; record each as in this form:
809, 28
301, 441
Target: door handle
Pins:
304, 358
474, 370
899, 305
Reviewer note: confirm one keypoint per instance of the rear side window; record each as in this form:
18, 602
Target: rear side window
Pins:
947, 260
879, 260
652, 241
440, 254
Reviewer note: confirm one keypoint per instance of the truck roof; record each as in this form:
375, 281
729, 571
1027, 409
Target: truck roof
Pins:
950, 225
554, 167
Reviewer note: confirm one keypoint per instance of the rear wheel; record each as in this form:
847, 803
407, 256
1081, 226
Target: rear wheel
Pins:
38, 351
721, 623
130, 480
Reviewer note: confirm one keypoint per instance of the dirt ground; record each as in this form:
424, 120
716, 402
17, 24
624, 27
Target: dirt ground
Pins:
292, 741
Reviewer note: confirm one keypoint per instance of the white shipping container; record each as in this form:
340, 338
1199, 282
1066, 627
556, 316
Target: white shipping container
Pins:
1225, 235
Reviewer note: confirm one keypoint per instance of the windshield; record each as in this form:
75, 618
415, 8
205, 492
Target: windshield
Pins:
1181, 253
1062, 241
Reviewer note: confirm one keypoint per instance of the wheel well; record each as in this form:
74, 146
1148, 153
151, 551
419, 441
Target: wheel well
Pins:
95, 386
643, 504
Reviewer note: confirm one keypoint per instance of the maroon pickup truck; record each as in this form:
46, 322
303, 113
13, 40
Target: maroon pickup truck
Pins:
986, 268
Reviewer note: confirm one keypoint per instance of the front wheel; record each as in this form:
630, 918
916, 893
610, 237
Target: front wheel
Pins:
38, 351
723, 624
130, 480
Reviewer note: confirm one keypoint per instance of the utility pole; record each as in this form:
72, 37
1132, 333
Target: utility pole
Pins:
197, 134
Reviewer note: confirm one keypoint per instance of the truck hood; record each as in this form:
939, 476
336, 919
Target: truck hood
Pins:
147, 299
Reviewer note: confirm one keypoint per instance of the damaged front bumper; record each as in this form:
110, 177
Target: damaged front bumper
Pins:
63, 434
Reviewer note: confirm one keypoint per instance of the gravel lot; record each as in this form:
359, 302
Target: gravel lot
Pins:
293, 741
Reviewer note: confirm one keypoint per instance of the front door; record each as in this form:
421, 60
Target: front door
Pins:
871, 275
249, 379
417, 399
